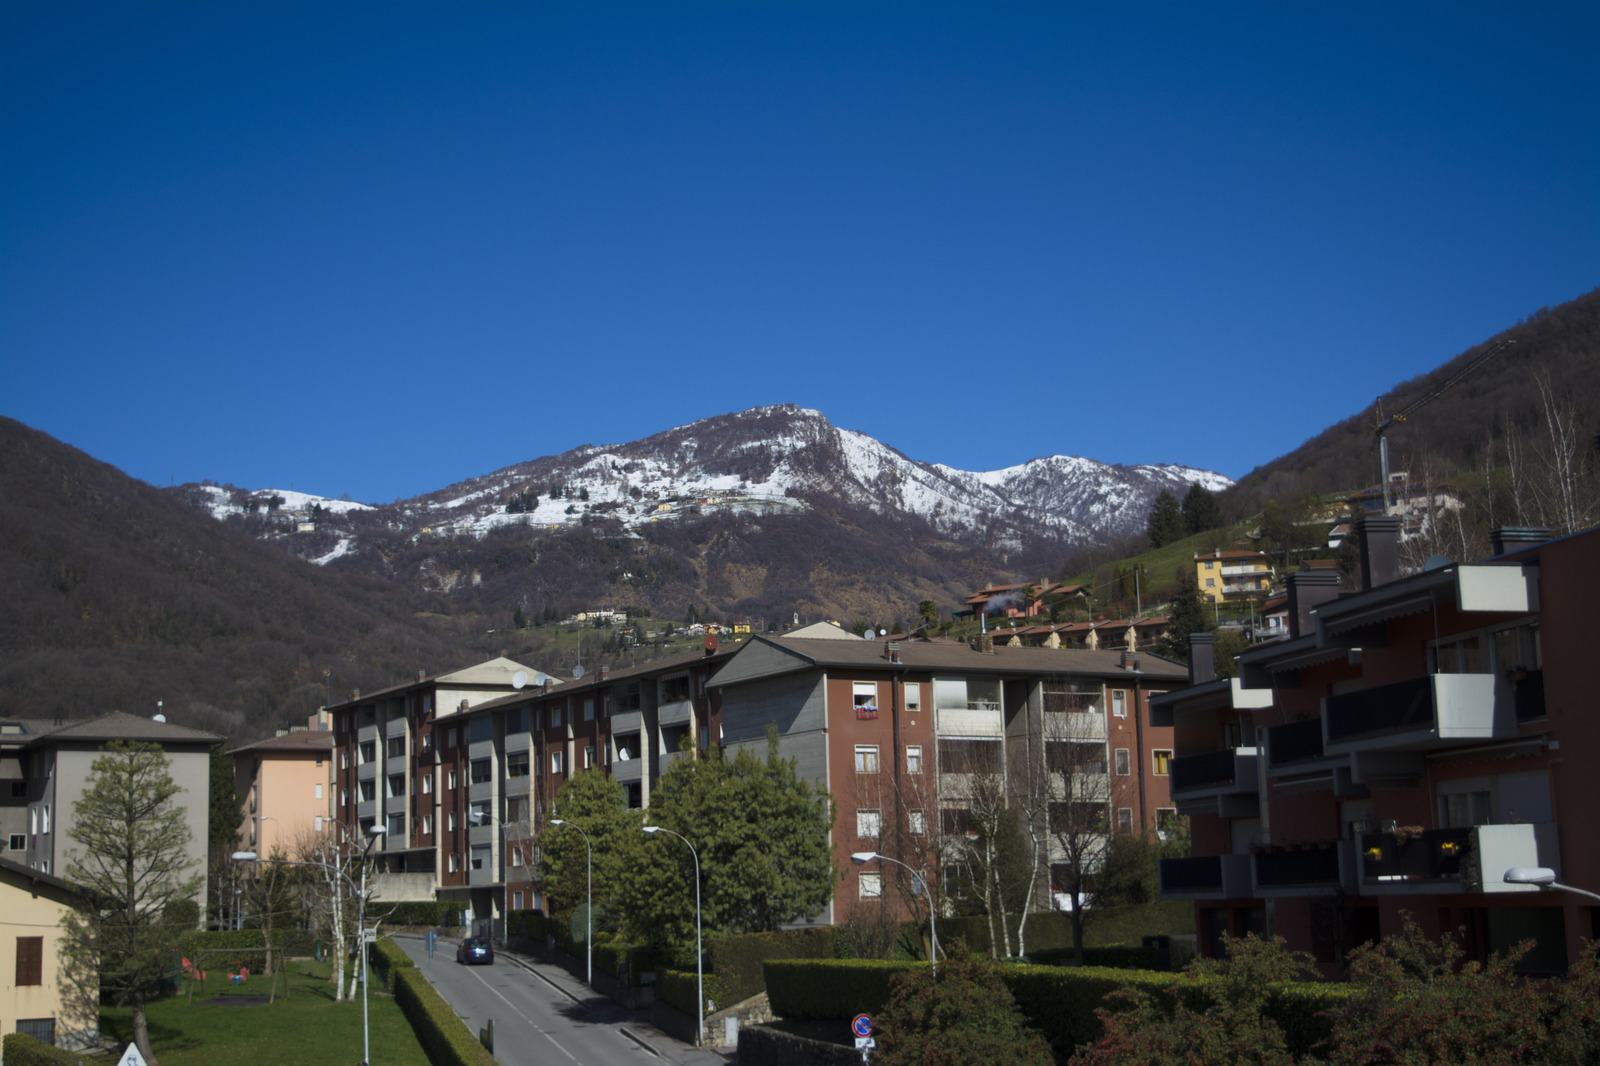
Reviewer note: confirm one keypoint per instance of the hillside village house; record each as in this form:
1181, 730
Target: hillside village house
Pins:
1229, 576
30, 954
1403, 748
1013, 601
46, 764
283, 784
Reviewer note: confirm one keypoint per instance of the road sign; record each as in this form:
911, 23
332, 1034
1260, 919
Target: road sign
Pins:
865, 1043
131, 1057
861, 1025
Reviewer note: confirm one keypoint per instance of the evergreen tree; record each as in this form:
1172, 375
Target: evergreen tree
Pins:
224, 816
1190, 614
1201, 511
132, 862
598, 805
1165, 521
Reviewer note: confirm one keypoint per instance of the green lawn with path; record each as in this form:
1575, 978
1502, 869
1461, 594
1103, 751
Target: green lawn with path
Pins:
304, 1026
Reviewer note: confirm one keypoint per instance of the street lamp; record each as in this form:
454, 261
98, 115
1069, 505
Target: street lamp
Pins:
699, 960
373, 833
861, 858
588, 940
269, 818
1544, 877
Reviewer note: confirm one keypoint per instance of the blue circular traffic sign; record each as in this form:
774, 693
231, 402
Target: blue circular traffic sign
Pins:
861, 1025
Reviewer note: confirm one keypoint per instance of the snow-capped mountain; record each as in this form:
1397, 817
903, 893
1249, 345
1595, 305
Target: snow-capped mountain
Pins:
765, 460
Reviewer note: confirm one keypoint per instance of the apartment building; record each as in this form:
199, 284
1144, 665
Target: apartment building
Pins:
46, 763
1402, 748
33, 1001
284, 784
1228, 576
901, 732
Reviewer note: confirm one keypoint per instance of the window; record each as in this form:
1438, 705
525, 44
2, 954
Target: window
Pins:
396, 829
628, 698
1122, 762
450, 864
319, 760
44, 822
555, 762
479, 814
674, 689
480, 858
397, 747
30, 960
369, 751
1119, 703
866, 758
983, 693
482, 771
1211, 582
427, 784
1463, 810
344, 797
369, 791
1210, 565
914, 758
318, 827
517, 721
1124, 819
1460, 656
452, 738
913, 698
517, 764
480, 730
344, 760
516, 856
427, 742
865, 699
516, 901
427, 824
588, 710
450, 821
397, 785
868, 824
450, 780
1162, 760
41, 1029
871, 885
19, 841
1233, 734
917, 822
555, 718
319, 791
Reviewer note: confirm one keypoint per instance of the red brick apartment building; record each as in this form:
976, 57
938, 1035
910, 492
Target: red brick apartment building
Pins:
461, 768
1404, 747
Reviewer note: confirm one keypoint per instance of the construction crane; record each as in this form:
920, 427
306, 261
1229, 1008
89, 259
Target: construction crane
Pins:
1382, 425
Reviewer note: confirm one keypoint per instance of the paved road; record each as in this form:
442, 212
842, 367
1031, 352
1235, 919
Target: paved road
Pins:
544, 1016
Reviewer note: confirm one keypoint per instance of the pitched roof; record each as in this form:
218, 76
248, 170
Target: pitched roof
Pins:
299, 740
117, 725
16, 871
962, 658
496, 671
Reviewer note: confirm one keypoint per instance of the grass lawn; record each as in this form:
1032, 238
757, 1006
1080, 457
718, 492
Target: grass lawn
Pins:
306, 1026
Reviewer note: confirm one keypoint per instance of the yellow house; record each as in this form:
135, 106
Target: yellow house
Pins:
283, 784
1224, 577
30, 958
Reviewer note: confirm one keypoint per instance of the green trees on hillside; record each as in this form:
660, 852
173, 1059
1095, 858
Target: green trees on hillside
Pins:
1165, 522
1201, 511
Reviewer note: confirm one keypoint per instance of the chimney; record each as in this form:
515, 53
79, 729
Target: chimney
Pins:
463, 706
1129, 662
422, 675
1309, 589
1506, 539
1202, 658
1379, 540
983, 644
355, 694
601, 675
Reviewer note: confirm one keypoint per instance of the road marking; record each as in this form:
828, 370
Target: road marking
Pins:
518, 1013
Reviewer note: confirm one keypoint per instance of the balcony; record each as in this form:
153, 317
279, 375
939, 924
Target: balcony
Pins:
1437, 711
1306, 870
627, 770
1205, 877
1218, 782
1429, 862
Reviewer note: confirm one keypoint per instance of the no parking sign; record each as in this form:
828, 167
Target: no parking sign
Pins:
861, 1026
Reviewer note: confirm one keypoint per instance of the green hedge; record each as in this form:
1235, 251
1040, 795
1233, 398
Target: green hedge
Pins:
830, 988
1115, 958
615, 958
387, 958
675, 988
417, 912
19, 1049
228, 948
1058, 1001
531, 924
738, 960
441, 1032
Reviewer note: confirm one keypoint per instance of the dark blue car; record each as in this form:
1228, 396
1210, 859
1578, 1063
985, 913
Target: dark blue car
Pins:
475, 949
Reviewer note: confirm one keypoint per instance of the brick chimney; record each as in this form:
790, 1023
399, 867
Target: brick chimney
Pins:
1129, 662
1309, 589
1202, 658
1378, 537
422, 675
1506, 539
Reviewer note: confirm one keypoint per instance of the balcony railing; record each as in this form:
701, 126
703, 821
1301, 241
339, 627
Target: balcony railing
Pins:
1207, 770
1198, 873
1303, 868
1434, 855
1404, 705
1295, 742
1431, 711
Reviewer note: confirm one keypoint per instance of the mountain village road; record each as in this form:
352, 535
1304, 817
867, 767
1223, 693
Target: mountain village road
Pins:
542, 1015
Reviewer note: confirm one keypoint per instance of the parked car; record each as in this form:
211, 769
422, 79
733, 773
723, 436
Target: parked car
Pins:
475, 949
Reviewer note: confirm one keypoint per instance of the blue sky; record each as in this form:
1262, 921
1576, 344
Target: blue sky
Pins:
375, 248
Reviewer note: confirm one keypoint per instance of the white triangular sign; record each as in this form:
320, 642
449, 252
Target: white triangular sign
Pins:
131, 1057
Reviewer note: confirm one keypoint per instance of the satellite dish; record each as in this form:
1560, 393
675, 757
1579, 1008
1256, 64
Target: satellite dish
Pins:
519, 679
158, 718
883, 632
577, 672
711, 643
1436, 562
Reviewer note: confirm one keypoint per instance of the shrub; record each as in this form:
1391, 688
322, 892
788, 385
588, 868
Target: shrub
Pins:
1119, 958
388, 958
675, 988
441, 1032
19, 1049
738, 960
965, 1016
415, 912
227, 949
531, 924
830, 988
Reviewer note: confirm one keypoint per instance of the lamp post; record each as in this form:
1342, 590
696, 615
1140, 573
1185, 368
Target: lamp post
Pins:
699, 959
1544, 877
588, 849
861, 858
373, 833
269, 818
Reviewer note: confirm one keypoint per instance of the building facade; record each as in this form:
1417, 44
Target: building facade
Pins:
1228, 576
30, 957
1398, 752
284, 784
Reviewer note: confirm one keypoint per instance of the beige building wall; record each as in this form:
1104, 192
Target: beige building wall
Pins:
33, 907
284, 796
